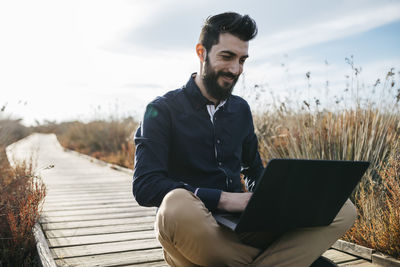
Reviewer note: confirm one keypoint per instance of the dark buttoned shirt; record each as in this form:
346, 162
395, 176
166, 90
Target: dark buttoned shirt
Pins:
179, 146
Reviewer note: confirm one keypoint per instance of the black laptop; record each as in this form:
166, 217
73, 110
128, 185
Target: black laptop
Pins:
296, 193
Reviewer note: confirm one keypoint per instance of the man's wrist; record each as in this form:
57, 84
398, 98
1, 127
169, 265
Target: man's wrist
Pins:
233, 202
223, 199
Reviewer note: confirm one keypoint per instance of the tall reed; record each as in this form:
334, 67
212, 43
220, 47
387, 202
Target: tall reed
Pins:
378, 223
367, 131
22, 193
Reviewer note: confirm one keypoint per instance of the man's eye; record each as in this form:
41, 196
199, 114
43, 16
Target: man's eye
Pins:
242, 61
226, 57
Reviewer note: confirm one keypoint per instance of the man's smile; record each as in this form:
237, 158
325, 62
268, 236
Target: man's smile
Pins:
228, 77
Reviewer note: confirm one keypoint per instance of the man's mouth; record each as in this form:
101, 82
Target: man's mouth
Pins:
228, 77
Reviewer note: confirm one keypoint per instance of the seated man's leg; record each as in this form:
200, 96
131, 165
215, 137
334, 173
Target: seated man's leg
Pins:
190, 236
302, 246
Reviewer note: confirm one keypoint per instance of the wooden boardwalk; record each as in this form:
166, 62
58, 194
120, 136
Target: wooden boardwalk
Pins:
90, 217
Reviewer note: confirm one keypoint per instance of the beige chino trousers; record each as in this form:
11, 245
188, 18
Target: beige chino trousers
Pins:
190, 236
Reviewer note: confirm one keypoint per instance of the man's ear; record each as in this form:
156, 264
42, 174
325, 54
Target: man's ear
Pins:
201, 52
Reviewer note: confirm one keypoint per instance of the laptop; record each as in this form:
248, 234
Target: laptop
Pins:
296, 193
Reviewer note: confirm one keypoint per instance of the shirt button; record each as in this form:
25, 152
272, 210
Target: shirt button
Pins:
218, 141
219, 163
230, 180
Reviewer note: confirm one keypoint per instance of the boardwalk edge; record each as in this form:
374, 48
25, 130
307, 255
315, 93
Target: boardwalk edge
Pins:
43, 250
353, 249
369, 254
100, 162
384, 260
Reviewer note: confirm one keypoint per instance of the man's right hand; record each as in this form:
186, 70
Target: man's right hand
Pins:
234, 202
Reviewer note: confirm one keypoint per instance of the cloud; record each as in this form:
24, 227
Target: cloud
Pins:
298, 37
176, 25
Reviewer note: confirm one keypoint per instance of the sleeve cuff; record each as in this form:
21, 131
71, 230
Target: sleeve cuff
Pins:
209, 196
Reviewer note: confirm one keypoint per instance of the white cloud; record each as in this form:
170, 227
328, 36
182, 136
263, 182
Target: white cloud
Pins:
339, 27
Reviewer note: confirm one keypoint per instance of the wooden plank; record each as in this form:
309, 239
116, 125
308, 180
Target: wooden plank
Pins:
354, 249
85, 188
93, 206
43, 250
102, 238
126, 189
134, 214
149, 264
104, 248
88, 198
62, 169
67, 177
99, 230
58, 190
100, 201
68, 189
57, 182
79, 194
91, 186
83, 183
94, 223
88, 201
114, 259
89, 211
384, 260
357, 263
55, 186
338, 256
127, 194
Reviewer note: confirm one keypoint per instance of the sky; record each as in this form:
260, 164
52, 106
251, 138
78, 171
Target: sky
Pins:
85, 60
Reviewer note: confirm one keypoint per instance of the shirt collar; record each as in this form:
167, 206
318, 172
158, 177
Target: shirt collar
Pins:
197, 99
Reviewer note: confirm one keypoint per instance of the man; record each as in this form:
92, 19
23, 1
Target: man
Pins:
191, 147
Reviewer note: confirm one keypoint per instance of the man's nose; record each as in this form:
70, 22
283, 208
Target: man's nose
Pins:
235, 68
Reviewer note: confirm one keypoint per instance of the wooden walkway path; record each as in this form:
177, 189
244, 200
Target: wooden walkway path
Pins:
90, 217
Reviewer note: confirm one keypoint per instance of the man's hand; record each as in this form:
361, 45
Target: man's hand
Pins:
233, 202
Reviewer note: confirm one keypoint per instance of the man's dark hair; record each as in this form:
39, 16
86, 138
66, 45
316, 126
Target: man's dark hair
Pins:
243, 27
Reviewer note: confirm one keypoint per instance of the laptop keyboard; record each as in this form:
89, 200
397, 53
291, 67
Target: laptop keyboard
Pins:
232, 217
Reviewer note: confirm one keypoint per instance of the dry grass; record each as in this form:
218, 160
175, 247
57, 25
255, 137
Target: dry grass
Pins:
378, 223
362, 134
369, 132
21, 195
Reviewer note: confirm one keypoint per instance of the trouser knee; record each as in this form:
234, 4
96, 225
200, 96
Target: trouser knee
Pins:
348, 215
185, 226
182, 210
178, 204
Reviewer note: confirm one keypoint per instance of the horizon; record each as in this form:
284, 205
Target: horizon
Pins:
64, 61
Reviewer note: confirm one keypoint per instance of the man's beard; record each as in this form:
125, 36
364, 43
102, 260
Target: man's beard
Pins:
210, 79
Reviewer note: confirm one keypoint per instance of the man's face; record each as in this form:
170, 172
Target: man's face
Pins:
223, 65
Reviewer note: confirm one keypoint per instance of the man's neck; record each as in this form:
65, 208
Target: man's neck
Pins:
203, 90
